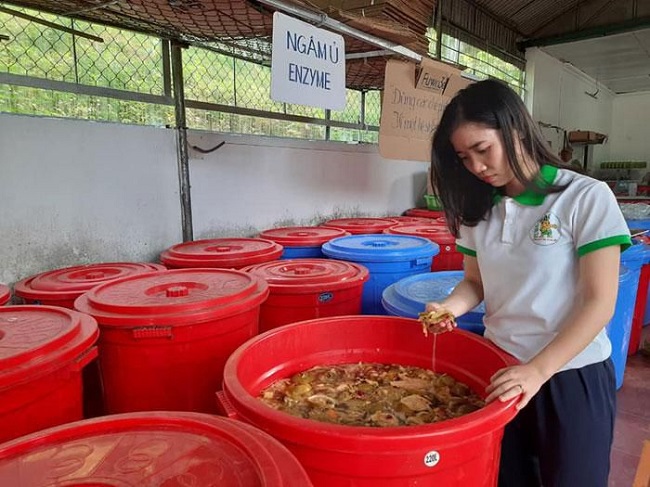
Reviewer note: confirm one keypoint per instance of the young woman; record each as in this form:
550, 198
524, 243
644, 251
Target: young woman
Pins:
542, 249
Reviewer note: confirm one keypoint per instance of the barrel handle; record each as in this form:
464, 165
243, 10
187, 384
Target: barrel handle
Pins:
85, 358
143, 332
225, 407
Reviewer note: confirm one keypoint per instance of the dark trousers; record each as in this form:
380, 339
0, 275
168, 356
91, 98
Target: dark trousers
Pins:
563, 437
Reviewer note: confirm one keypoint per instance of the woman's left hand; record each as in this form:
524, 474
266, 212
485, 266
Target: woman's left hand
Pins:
510, 382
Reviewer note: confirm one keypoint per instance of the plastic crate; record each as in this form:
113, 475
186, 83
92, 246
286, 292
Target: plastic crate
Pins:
433, 203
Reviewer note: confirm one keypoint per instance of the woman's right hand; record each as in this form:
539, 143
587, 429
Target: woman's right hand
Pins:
446, 322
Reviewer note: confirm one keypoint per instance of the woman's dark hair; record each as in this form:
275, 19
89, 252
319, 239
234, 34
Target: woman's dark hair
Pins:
465, 198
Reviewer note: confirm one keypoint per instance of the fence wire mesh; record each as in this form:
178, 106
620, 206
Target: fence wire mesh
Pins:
227, 83
226, 78
214, 73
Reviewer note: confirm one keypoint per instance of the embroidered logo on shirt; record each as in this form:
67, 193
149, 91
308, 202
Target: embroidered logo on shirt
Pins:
546, 231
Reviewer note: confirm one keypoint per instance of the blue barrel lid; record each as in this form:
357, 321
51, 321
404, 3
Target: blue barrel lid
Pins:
640, 224
408, 296
636, 255
625, 274
380, 248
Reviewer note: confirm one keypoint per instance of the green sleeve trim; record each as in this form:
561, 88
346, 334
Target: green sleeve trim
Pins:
623, 240
465, 250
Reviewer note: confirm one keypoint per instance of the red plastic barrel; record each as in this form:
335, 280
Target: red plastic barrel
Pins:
425, 213
43, 350
302, 242
361, 226
302, 236
150, 450
449, 259
5, 294
460, 452
639, 310
302, 289
61, 287
224, 253
165, 336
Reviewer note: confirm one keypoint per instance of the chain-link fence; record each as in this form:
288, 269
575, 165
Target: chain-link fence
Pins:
95, 72
125, 78
478, 62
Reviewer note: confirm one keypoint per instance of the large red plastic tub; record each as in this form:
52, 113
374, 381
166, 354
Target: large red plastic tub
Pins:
302, 289
223, 253
449, 259
43, 350
5, 294
61, 287
165, 336
460, 452
361, 226
150, 450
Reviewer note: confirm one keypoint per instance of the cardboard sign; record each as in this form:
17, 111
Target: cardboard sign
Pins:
412, 106
307, 64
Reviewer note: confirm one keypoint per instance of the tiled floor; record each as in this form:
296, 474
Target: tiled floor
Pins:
633, 419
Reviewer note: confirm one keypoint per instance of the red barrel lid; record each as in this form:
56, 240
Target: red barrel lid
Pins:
435, 232
303, 236
34, 339
425, 213
175, 297
5, 294
359, 226
403, 220
222, 252
150, 450
303, 276
71, 282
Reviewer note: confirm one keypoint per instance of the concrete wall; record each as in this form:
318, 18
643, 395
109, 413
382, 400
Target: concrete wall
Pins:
76, 192
630, 138
557, 95
254, 183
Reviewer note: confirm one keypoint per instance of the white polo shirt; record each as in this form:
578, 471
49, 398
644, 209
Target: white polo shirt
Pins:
528, 249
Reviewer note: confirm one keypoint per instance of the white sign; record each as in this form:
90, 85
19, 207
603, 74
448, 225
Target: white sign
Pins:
307, 64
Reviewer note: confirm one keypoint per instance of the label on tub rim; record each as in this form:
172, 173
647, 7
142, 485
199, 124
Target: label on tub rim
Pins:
432, 458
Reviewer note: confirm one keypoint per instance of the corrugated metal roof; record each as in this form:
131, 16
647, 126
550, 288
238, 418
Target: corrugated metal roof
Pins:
497, 26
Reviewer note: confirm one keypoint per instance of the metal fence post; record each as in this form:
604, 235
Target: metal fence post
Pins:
181, 141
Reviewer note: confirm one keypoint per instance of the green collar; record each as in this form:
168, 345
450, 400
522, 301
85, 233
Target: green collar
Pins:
530, 197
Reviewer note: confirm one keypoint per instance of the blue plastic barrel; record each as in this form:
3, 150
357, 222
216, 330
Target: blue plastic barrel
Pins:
409, 296
634, 258
638, 225
389, 258
620, 326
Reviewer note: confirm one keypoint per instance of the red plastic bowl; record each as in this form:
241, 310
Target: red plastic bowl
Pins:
456, 453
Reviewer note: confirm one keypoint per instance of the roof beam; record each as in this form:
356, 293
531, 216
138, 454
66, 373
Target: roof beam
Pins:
52, 25
591, 33
324, 20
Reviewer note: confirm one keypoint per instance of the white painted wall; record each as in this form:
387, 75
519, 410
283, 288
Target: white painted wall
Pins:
255, 183
559, 98
630, 139
77, 192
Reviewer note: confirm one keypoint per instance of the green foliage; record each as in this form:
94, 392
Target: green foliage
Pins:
134, 62
478, 61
